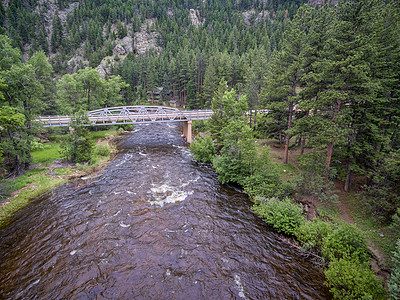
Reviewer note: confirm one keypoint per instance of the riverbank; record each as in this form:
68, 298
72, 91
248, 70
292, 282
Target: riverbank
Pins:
48, 171
293, 199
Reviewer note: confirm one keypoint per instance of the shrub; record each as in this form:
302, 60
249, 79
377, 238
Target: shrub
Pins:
394, 282
126, 127
203, 149
36, 144
349, 279
311, 234
283, 215
345, 242
102, 150
263, 185
265, 181
77, 147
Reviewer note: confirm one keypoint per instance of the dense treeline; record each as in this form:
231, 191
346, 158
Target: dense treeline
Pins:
328, 76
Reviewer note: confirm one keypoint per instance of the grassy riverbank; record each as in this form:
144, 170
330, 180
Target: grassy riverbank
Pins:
48, 171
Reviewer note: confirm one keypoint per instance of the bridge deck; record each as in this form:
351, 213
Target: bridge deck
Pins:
130, 115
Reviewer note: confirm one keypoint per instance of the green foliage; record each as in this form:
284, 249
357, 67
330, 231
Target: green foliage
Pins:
394, 282
48, 153
265, 181
348, 279
383, 194
86, 90
226, 106
203, 149
238, 155
312, 234
345, 241
102, 150
78, 147
284, 215
312, 180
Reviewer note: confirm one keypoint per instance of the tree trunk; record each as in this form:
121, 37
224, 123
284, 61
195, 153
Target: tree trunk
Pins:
349, 177
330, 145
329, 152
287, 137
303, 145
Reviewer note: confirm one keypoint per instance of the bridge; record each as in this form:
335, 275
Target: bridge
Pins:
134, 115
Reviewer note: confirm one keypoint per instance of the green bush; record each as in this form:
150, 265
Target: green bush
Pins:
345, 242
78, 147
283, 215
102, 150
126, 127
394, 282
311, 234
265, 180
349, 279
203, 149
36, 144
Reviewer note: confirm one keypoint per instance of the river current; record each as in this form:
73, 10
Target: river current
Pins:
154, 225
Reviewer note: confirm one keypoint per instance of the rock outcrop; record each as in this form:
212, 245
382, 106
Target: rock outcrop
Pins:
194, 16
147, 38
142, 42
251, 16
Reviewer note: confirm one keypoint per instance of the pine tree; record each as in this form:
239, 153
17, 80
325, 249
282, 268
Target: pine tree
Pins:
286, 70
57, 34
343, 88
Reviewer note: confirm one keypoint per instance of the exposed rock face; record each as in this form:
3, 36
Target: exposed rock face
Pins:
146, 39
74, 63
142, 42
170, 13
251, 16
194, 17
49, 8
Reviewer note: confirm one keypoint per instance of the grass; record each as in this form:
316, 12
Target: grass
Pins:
47, 155
95, 135
379, 236
39, 180
33, 184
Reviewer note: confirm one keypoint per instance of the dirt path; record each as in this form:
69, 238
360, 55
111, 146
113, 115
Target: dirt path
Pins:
343, 204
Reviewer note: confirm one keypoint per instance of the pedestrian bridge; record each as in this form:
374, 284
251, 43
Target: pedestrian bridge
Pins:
134, 115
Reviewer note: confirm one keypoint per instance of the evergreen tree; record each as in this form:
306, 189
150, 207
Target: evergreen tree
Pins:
57, 34
344, 87
286, 70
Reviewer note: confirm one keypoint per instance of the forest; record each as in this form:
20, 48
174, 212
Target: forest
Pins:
328, 75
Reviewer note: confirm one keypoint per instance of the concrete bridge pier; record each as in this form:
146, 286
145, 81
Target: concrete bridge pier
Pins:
187, 130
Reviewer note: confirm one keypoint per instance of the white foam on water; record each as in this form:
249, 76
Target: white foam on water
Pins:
239, 287
125, 158
124, 225
117, 213
73, 252
167, 194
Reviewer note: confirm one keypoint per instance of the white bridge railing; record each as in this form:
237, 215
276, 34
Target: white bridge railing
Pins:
131, 115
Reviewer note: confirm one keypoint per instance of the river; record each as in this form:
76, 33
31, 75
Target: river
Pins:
154, 225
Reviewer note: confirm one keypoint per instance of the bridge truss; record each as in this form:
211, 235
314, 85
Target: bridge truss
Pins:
131, 115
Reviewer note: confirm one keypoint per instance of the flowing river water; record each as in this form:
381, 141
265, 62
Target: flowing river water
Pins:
154, 225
